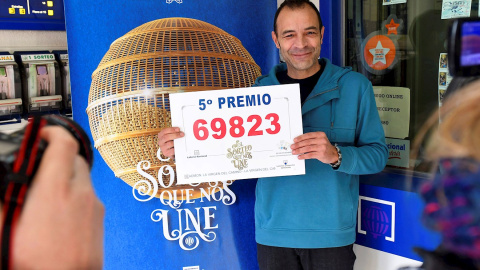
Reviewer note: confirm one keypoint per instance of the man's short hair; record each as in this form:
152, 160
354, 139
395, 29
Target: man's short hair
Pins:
294, 4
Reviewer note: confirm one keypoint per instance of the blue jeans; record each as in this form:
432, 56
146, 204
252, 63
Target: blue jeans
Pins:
278, 258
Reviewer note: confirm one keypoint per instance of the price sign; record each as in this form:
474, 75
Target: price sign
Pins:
237, 133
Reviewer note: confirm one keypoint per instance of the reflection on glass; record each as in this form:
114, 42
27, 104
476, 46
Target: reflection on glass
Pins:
43, 82
419, 38
42, 70
3, 83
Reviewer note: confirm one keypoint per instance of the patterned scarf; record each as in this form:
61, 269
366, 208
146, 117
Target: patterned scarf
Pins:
453, 206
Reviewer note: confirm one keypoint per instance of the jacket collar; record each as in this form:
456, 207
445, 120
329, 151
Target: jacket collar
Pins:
324, 91
327, 88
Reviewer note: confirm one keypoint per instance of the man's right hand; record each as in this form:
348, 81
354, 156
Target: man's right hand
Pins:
165, 140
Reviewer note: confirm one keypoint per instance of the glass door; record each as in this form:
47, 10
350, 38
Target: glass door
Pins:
401, 46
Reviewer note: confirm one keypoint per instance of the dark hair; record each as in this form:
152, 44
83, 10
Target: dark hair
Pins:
294, 4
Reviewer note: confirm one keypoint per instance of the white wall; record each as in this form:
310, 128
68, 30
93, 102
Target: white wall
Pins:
27, 40
372, 259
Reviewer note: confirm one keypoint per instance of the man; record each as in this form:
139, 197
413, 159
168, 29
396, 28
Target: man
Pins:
61, 224
308, 221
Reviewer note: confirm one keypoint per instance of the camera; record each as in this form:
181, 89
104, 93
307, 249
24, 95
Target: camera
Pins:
33, 148
464, 47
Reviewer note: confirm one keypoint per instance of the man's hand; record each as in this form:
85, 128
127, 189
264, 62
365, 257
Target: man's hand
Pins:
165, 140
314, 145
61, 225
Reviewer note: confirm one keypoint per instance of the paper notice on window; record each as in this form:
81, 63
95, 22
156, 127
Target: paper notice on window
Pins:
393, 105
456, 8
393, 2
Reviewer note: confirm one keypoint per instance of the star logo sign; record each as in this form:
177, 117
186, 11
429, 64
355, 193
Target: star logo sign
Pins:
379, 53
392, 27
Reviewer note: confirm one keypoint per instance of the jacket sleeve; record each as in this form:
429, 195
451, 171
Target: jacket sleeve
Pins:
369, 155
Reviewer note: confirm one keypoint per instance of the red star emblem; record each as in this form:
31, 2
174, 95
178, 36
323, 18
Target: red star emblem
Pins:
392, 27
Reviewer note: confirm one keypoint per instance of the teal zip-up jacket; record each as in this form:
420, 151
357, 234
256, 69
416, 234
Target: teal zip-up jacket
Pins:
319, 209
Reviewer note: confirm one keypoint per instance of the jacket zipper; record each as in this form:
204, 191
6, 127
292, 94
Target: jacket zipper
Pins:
331, 101
320, 94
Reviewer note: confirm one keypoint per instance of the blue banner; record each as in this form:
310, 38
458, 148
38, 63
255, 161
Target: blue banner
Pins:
212, 232
389, 220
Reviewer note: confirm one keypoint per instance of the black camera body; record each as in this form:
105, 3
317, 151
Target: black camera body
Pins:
10, 145
464, 47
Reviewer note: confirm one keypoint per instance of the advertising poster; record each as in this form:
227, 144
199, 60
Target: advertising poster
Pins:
207, 226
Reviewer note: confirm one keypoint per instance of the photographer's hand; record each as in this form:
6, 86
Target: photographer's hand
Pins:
61, 225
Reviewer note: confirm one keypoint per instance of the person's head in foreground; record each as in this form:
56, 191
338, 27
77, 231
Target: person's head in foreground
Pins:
453, 197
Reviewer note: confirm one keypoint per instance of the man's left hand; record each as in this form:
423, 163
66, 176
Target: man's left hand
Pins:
314, 145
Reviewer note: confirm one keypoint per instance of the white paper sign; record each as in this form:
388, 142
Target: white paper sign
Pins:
393, 105
456, 9
237, 133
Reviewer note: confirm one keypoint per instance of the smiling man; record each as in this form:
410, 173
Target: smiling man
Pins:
298, 35
308, 221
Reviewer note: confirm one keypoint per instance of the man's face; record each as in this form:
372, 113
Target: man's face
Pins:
299, 40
